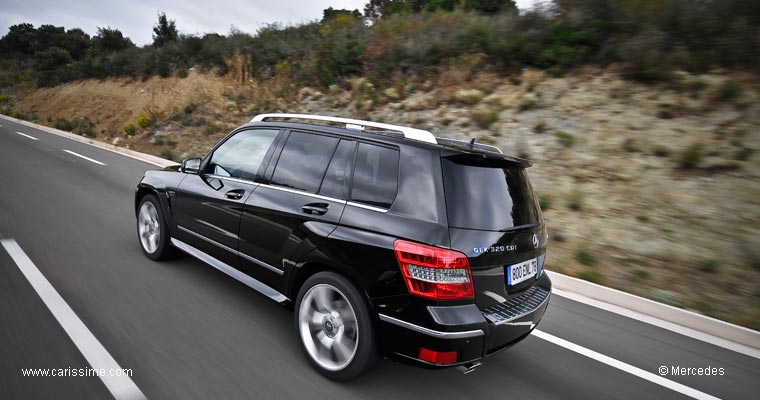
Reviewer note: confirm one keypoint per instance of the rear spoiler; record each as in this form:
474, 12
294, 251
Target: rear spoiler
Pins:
482, 158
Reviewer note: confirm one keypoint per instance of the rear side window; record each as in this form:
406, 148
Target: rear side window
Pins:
303, 161
488, 195
375, 175
338, 173
241, 155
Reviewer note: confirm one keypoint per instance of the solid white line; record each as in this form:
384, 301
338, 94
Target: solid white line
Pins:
660, 323
25, 135
121, 387
675, 386
84, 157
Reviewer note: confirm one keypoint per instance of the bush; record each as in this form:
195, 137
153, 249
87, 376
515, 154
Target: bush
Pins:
167, 154
545, 202
64, 124
591, 275
485, 118
691, 157
130, 129
144, 120
565, 138
711, 265
213, 126
585, 257
729, 90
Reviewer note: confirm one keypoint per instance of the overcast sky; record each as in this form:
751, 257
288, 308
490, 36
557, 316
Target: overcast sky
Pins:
136, 18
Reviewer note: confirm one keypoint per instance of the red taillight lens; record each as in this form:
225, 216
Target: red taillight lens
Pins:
433, 272
438, 357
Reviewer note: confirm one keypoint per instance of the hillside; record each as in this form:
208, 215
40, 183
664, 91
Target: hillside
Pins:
654, 190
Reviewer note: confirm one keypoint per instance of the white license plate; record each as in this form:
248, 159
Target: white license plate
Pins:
521, 272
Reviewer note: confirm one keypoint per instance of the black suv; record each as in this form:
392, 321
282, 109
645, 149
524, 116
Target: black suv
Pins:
387, 239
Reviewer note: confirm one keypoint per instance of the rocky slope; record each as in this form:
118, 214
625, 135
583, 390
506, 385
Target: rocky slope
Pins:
654, 190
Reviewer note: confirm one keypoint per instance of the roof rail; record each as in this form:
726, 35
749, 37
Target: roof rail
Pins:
356, 124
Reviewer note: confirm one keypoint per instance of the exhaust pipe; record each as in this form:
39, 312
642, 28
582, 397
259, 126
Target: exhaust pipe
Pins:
465, 369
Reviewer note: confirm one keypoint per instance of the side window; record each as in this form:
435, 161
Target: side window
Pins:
338, 173
303, 161
375, 175
241, 155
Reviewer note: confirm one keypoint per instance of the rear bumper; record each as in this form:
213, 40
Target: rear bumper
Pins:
465, 329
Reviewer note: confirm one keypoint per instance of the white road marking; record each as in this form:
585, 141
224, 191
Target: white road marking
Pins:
27, 136
660, 323
654, 378
121, 387
84, 157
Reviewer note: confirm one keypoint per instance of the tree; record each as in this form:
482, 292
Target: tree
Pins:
109, 40
20, 39
491, 6
329, 14
164, 31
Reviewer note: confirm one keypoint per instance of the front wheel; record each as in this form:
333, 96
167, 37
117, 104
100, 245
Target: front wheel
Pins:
152, 230
334, 324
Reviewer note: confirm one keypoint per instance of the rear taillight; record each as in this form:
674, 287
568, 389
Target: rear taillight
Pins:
434, 273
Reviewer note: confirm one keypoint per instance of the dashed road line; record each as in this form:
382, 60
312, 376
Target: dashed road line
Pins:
84, 157
25, 135
675, 386
121, 387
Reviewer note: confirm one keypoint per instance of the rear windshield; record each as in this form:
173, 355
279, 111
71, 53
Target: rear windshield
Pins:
488, 195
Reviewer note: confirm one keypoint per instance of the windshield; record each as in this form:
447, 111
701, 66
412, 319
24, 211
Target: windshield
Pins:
488, 195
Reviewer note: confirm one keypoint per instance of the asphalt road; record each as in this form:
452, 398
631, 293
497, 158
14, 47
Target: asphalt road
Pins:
188, 331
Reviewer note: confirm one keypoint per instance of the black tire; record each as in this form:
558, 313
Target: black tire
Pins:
163, 248
338, 323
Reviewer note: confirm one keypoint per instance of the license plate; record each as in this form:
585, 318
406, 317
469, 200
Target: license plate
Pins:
521, 272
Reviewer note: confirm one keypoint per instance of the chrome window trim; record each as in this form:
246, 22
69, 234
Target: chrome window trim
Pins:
233, 251
231, 179
431, 332
367, 207
231, 271
301, 192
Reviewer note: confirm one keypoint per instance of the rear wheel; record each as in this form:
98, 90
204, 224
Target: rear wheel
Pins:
333, 322
152, 230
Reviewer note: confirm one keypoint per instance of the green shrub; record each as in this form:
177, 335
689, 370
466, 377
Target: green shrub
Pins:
167, 154
668, 297
144, 120
641, 274
591, 275
728, 90
711, 265
756, 264
130, 129
691, 157
65, 124
545, 201
585, 257
565, 139
485, 118
576, 200
213, 126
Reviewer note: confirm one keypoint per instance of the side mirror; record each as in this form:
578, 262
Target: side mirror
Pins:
191, 166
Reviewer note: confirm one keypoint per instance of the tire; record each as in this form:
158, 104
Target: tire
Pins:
333, 321
152, 231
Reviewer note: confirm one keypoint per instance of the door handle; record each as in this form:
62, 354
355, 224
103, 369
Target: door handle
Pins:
315, 208
236, 194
